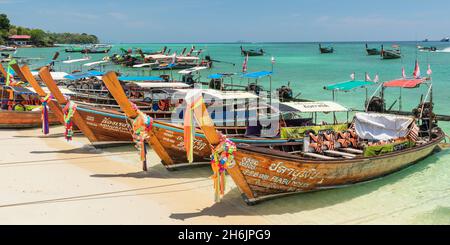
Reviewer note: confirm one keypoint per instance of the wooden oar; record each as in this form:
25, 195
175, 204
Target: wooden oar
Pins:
45, 75
54, 107
116, 90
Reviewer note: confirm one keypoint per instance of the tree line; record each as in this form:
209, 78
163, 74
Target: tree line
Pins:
40, 37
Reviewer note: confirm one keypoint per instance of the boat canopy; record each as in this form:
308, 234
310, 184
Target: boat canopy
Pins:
30, 90
140, 79
84, 75
348, 86
64, 91
376, 126
229, 95
309, 107
56, 75
76, 60
161, 85
191, 70
257, 75
404, 83
20, 90
220, 75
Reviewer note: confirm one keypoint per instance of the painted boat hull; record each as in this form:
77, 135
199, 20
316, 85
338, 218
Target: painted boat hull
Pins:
373, 51
24, 119
261, 175
389, 55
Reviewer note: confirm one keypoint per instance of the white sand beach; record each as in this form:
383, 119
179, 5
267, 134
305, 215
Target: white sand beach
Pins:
46, 180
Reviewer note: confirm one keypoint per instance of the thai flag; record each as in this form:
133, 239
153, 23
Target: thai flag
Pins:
244, 66
417, 70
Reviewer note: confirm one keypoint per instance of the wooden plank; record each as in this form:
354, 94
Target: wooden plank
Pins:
54, 107
342, 154
45, 75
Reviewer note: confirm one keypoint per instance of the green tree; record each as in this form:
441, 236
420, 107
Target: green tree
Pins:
4, 22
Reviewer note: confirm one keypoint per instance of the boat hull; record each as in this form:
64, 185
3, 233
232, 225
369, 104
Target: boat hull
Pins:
261, 175
24, 119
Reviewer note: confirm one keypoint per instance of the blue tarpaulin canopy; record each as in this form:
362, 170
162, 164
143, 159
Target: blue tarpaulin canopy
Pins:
257, 75
144, 78
220, 75
349, 85
84, 75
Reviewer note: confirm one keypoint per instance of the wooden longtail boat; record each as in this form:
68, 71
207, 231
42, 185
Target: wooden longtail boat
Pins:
369, 153
20, 106
252, 52
372, 51
326, 50
390, 54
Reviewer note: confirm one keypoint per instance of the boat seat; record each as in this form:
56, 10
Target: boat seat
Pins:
351, 150
338, 153
314, 155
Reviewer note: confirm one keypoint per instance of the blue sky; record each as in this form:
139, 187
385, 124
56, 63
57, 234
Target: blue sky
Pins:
232, 20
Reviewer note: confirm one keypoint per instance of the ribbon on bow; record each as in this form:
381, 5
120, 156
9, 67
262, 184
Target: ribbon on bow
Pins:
141, 125
222, 157
68, 111
44, 113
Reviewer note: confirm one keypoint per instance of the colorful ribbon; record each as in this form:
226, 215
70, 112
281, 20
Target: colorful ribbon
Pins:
142, 125
69, 111
44, 114
222, 158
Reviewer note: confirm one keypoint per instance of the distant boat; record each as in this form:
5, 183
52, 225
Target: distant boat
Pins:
426, 40
252, 52
447, 39
326, 50
7, 49
76, 49
372, 51
424, 49
394, 53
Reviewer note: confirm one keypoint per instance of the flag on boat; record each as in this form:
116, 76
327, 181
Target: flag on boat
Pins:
244, 66
368, 77
417, 70
376, 79
414, 132
403, 73
352, 76
429, 71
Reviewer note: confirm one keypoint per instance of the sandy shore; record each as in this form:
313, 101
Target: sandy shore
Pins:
46, 180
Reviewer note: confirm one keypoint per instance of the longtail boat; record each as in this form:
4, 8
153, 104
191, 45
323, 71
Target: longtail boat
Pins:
389, 54
326, 50
331, 159
20, 106
252, 52
372, 51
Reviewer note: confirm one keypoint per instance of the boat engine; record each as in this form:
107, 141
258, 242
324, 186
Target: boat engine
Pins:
376, 104
285, 93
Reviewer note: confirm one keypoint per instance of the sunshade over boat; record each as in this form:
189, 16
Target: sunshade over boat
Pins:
257, 75
404, 83
348, 86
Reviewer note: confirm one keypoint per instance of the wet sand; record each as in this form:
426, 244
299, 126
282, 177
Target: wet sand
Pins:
46, 180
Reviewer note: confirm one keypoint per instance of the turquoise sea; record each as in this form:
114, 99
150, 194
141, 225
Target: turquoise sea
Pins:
417, 195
